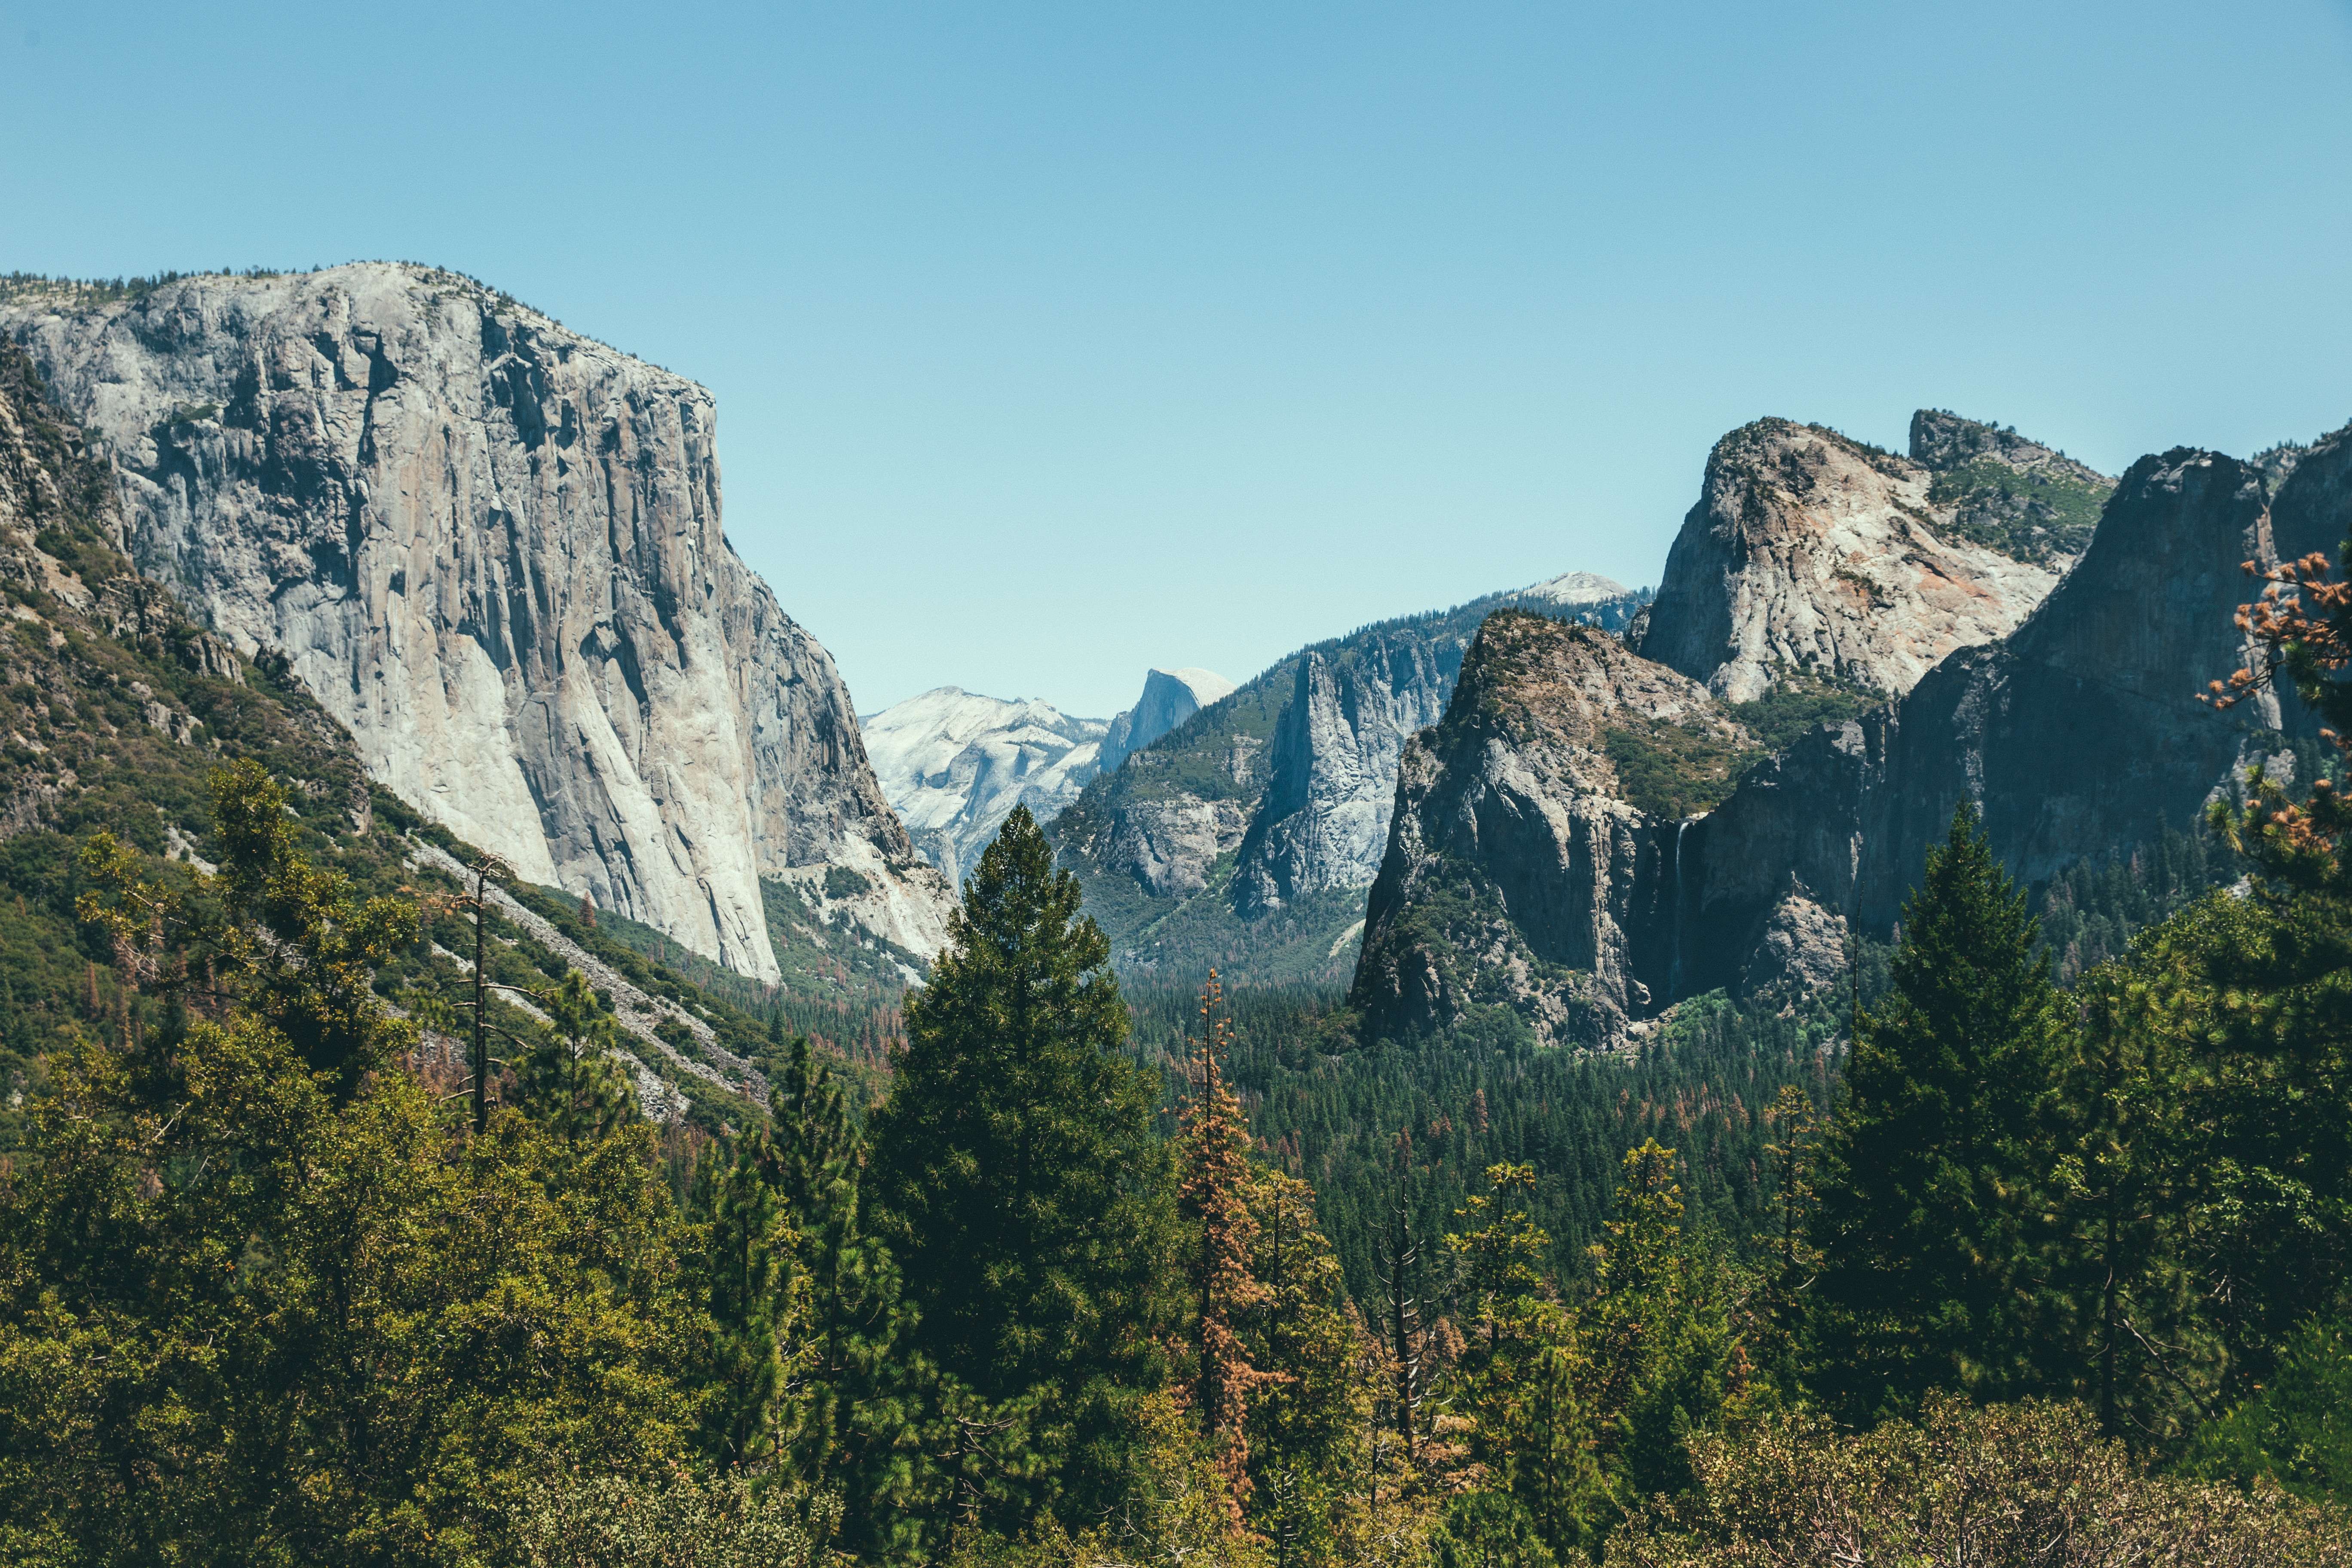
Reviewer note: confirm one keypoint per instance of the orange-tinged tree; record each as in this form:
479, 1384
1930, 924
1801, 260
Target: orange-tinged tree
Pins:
1215, 1183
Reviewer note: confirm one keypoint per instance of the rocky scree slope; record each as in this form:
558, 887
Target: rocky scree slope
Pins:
1245, 837
1515, 876
1808, 551
493, 548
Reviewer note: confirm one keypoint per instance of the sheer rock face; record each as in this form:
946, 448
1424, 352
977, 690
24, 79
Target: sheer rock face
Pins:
1813, 552
493, 549
1513, 873
2078, 735
1515, 876
1170, 697
1323, 822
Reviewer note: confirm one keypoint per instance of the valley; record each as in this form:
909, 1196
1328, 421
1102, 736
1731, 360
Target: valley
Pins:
412, 809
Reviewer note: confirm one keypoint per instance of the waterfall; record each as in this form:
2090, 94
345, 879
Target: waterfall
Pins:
1675, 945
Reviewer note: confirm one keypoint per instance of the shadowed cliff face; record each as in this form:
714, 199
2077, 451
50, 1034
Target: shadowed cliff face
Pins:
2079, 734
1810, 551
1515, 875
493, 548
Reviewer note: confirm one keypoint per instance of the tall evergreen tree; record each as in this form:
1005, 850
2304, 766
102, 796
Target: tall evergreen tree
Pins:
1012, 1171
570, 1081
1927, 1192
1213, 1182
758, 1300
868, 1391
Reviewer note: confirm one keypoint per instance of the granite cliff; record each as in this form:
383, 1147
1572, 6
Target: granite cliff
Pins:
1246, 834
1516, 875
493, 548
1812, 552
2078, 734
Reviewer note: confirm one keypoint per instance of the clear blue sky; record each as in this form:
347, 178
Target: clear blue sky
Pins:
1052, 343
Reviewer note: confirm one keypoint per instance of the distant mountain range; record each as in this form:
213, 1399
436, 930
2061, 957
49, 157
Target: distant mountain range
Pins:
490, 548
1206, 817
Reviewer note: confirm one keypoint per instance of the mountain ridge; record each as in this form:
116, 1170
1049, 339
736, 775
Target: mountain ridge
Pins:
493, 546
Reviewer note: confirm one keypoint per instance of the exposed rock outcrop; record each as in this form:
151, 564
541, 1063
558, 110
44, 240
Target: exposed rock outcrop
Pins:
1324, 820
1574, 591
1170, 697
2079, 734
1244, 836
1994, 487
1516, 875
954, 765
1813, 551
493, 548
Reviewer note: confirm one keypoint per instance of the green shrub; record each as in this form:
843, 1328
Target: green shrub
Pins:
2027, 1483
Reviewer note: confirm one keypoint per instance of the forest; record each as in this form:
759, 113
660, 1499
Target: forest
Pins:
332, 1228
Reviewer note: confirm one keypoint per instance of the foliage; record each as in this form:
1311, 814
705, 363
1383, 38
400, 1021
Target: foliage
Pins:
758, 1298
1011, 1172
2089, 913
1926, 1216
2039, 515
1799, 702
2020, 1483
2294, 1432
571, 1082
1213, 1180
1674, 768
285, 1325
667, 1520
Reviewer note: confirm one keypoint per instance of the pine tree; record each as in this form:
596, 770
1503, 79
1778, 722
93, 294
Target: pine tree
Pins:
1306, 1422
1522, 1386
1011, 1167
1498, 1255
570, 1081
866, 1389
1927, 1188
1405, 1322
1213, 1181
1792, 1262
757, 1298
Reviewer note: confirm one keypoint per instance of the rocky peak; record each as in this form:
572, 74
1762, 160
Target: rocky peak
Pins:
1533, 681
493, 548
1942, 440
954, 764
1994, 487
1517, 872
1170, 697
1812, 552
